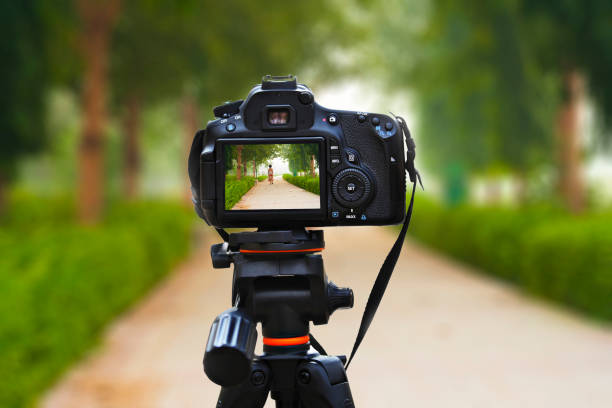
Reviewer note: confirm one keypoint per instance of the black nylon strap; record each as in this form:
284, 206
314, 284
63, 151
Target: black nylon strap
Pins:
223, 234
386, 270
317, 346
382, 280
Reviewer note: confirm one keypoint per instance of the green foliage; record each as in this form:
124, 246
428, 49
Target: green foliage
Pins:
300, 157
258, 153
235, 189
151, 50
262, 178
62, 282
544, 250
23, 77
483, 103
569, 35
308, 183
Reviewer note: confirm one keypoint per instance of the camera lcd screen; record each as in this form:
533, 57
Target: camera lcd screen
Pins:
278, 116
272, 176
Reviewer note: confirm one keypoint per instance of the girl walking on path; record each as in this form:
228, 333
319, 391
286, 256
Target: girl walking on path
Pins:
270, 174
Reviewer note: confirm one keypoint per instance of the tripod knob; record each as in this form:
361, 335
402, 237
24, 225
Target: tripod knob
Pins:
338, 298
230, 348
220, 256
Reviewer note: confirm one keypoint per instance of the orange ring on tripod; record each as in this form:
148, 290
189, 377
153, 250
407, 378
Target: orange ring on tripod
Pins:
288, 341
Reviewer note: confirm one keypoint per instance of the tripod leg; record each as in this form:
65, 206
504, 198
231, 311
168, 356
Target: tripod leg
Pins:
251, 393
322, 383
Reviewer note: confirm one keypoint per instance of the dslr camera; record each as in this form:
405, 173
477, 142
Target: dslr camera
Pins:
278, 158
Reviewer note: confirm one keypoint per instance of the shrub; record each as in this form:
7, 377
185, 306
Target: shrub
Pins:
61, 283
308, 183
262, 178
235, 189
546, 251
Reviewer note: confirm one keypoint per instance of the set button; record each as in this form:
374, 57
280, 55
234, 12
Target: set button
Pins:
230, 127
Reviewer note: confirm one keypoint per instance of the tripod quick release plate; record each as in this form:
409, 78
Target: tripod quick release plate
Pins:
277, 242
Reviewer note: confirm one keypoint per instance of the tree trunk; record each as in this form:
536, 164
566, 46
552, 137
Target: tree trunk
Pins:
97, 21
571, 184
312, 165
190, 119
131, 148
254, 169
238, 162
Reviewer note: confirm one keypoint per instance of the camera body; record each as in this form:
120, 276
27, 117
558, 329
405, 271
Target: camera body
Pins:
339, 167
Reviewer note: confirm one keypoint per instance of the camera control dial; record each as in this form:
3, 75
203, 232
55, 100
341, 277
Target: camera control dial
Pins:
351, 187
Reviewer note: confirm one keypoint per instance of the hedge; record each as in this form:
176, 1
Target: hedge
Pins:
235, 189
61, 282
547, 252
262, 178
308, 183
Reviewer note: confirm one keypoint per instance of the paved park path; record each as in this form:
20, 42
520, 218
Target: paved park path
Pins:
444, 337
280, 195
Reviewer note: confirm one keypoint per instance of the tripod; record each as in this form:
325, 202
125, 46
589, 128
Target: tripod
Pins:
279, 281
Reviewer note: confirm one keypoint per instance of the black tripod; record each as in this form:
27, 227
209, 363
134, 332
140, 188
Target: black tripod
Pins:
279, 282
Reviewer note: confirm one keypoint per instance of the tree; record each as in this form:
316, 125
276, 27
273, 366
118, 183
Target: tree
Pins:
302, 158
161, 50
149, 63
572, 42
495, 81
483, 102
97, 18
23, 82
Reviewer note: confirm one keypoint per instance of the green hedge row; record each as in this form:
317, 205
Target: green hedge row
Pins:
235, 189
262, 178
548, 252
308, 183
61, 282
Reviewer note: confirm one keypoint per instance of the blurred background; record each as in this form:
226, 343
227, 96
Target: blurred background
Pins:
510, 103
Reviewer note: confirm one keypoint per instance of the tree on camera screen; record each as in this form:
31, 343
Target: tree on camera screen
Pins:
272, 176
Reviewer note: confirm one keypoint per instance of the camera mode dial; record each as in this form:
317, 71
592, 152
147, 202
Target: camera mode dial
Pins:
352, 187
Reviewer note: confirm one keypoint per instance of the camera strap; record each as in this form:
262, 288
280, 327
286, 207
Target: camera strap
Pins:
386, 270
382, 280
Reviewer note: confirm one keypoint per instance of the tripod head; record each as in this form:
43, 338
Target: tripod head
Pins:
279, 281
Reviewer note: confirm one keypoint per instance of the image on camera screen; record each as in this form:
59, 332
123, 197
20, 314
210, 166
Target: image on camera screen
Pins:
272, 176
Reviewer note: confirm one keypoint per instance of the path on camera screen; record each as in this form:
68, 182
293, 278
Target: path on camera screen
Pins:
444, 336
277, 196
